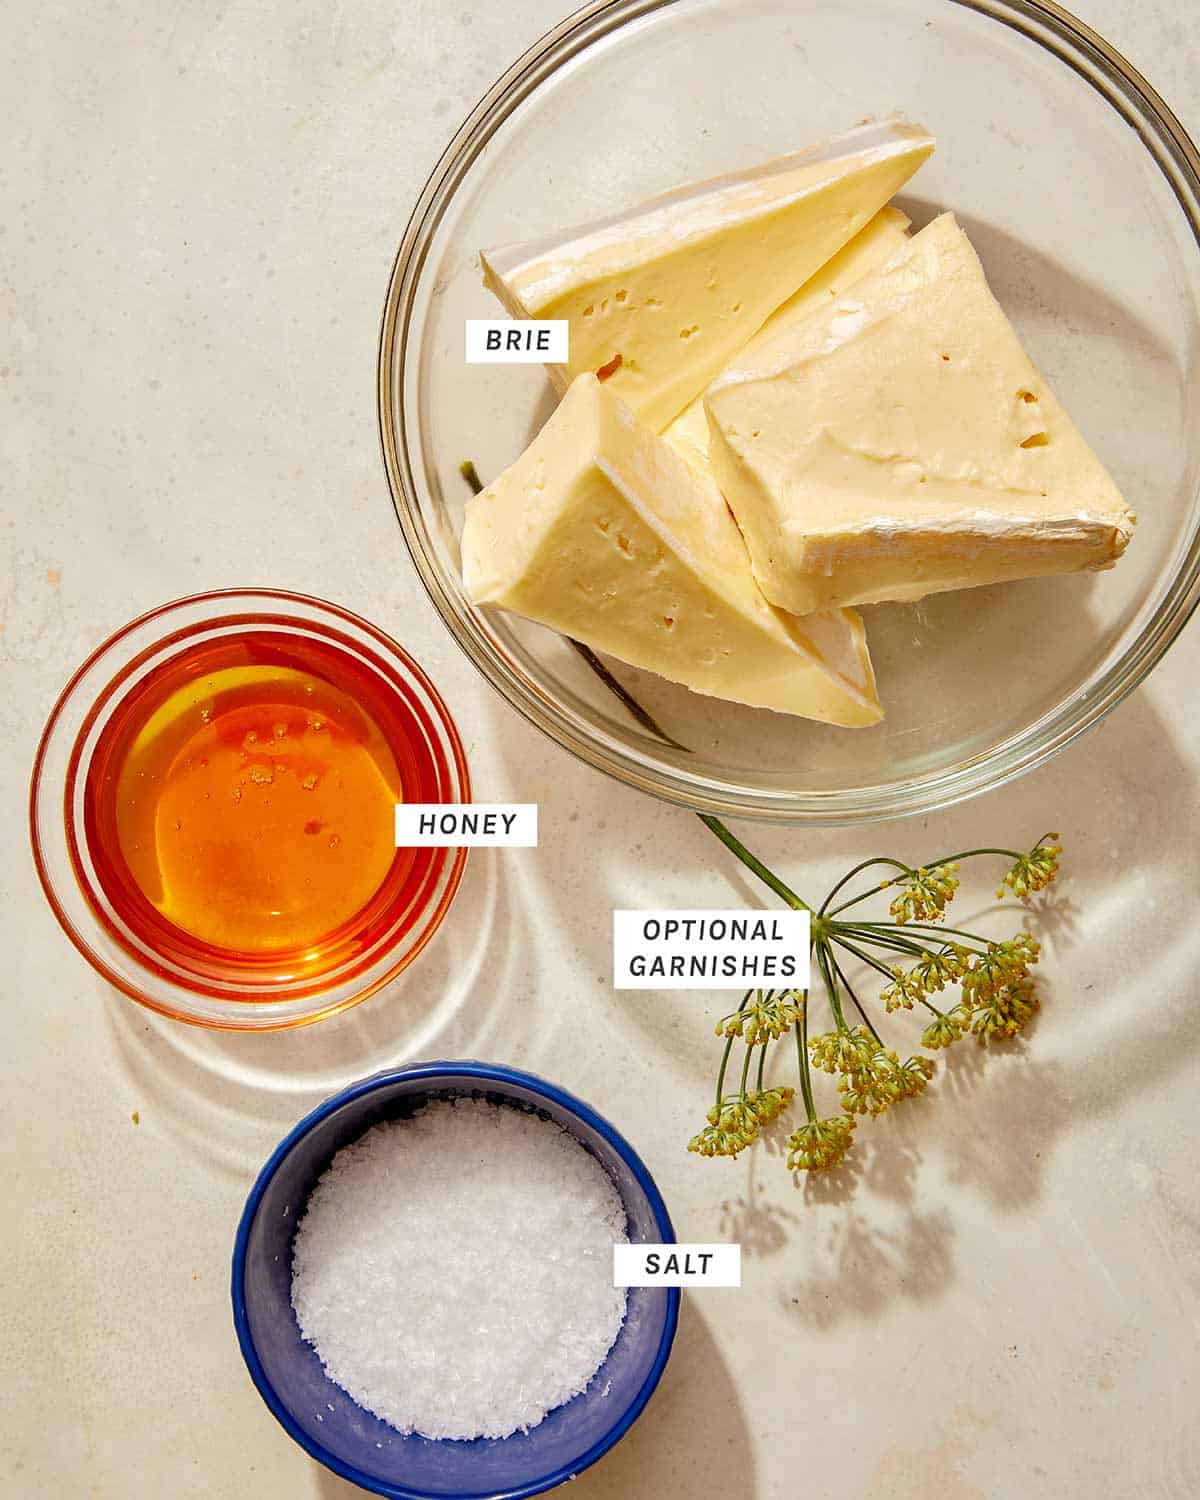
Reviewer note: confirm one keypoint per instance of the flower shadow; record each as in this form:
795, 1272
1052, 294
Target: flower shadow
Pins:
861, 1267
762, 1226
1056, 920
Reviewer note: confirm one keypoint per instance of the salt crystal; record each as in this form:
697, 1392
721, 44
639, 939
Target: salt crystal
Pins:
453, 1270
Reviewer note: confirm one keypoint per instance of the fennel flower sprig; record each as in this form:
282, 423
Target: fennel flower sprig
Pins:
963, 982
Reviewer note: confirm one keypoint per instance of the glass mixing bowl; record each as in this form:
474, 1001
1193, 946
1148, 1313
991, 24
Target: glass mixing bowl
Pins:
1081, 192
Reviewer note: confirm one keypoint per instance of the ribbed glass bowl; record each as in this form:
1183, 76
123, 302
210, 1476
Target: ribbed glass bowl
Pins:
1081, 192
155, 964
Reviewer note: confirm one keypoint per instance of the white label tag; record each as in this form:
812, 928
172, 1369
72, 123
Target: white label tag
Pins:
517, 341
677, 1265
710, 950
466, 825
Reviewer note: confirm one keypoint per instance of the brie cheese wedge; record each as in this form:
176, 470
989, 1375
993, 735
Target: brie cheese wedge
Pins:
662, 296
601, 531
883, 237
901, 442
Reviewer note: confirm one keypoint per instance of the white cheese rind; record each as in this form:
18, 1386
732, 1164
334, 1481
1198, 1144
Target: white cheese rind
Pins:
677, 285
901, 442
601, 531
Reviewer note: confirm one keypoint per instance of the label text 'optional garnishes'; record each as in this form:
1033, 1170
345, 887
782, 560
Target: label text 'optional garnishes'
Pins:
710, 950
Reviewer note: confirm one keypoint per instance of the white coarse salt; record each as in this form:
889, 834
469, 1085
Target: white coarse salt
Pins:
453, 1270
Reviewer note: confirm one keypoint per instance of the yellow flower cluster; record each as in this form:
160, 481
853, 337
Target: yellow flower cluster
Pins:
1006, 1012
767, 1016
871, 1078
904, 990
998, 995
935, 971
944, 1029
926, 894
928, 976
999, 965
844, 1050
735, 1123
820, 1144
885, 1082
1033, 871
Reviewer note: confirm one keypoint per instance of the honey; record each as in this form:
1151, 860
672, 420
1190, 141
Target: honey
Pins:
239, 805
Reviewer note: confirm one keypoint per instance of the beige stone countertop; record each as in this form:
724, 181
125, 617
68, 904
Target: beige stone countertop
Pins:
1004, 1303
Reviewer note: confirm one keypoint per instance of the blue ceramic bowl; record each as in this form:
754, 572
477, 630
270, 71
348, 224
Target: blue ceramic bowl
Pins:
321, 1416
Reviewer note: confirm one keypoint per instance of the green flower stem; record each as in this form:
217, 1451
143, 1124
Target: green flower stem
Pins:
855, 937
746, 1070
801, 1030
893, 943
853, 901
646, 720
931, 927
753, 863
866, 959
923, 999
881, 859
835, 1003
728, 1049
857, 1002
721, 1073
889, 942
950, 859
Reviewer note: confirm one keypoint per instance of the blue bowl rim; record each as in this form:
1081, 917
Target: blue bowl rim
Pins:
494, 1073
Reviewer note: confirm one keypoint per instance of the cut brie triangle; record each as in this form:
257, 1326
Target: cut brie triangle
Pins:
601, 531
882, 238
901, 442
666, 293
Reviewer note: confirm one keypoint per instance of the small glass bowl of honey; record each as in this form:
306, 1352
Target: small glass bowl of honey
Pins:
212, 809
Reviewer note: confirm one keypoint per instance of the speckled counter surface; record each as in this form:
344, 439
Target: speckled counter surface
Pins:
198, 207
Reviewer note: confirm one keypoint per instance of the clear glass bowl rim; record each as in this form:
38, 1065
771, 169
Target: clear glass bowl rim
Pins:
1075, 45
242, 1015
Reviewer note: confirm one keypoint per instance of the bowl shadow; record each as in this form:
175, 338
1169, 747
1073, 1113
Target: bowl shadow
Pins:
229, 1096
1026, 278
